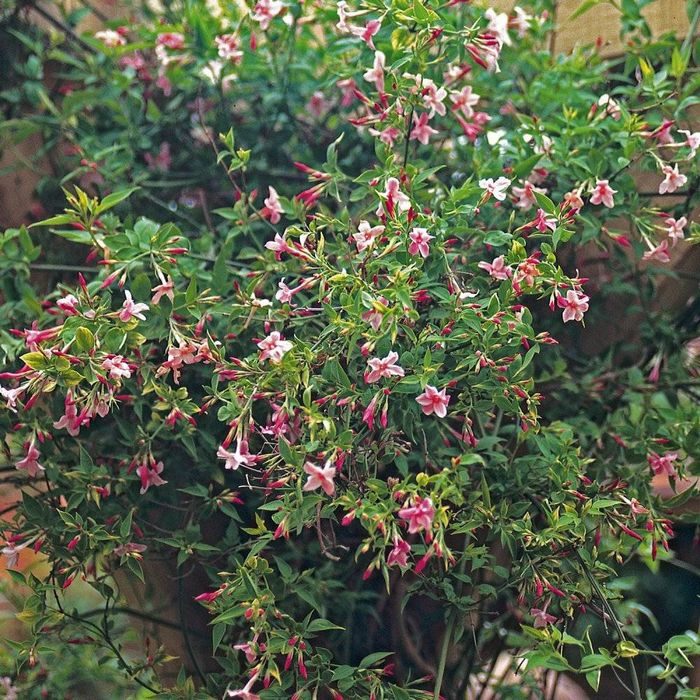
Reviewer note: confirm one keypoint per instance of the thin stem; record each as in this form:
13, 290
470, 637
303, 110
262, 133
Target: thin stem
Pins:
447, 638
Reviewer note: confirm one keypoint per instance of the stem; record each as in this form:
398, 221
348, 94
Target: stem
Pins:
443, 654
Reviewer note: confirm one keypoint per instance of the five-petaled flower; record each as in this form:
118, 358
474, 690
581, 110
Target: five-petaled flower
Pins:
603, 194
663, 464
273, 208
30, 461
420, 238
274, 347
541, 617
399, 554
117, 366
239, 457
366, 235
672, 179
131, 309
320, 477
434, 401
497, 269
575, 304
421, 130
419, 516
376, 73
496, 188
385, 367
265, 11
150, 476
675, 227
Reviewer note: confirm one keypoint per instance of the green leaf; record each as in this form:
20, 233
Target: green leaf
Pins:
111, 200
35, 360
320, 624
84, 339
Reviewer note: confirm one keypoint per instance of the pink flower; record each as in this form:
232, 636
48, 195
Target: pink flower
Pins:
434, 401
162, 161
130, 549
497, 269
319, 477
273, 208
420, 238
387, 136
542, 222
385, 367
171, 40
68, 304
71, 420
496, 188
165, 289
265, 11
660, 253
464, 101
575, 304
399, 554
131, 309
672, 179
30, 462
376, 73
274, 347
603, 194
663, 465
244, 693
433, 98
11, 552
110, 38
421, 131
248, 650
675, 227
279, 245
395, 197
368, 414
692, 141
239, 457
227, 46
366, 235
150, 477
542, 617
11, 396
526, 195
612, 109
419, 516
573, 200
117, 366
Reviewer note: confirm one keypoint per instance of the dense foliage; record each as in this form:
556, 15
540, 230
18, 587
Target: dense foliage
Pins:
320, 352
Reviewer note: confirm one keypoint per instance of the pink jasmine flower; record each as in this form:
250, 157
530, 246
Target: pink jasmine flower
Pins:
419, 516
399, 554
227, 45
68, 304
171, 40
70, 420
130, 309
526, 195
464, 101
274, 347
433, 98
368, 414
239, 457
603, 194
660, 253
376, 73
497, 269
374, 317
692, 141
498, 25
150, 477
675, 227
385, 367
434, 401
575, 304
245, 693
162, 161
521, 21
30, 462
663, 133
110, 38
542, 222
542, 617
132, 549
165, 289
612, 108
273, 208
284, 294
496, 188
265, 11
11, 396
348, 87
319, 477
636, 508
419, 242
248, 650
117, 366
366, 235
395, 197
573, 200
387, 136
663, 464
318, 105
11, 553
421, 131
672, 179
279, 245
367, 32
